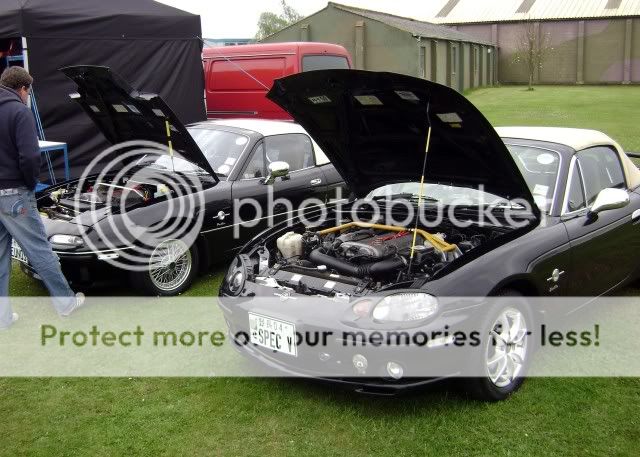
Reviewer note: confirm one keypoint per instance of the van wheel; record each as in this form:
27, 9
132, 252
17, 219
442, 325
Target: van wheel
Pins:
171, 269
506, 350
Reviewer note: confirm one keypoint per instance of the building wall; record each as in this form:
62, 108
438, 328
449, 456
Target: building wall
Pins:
590, 51
604, 51
560, 64
385, 48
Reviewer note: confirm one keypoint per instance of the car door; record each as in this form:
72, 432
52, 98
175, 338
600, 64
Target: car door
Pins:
259, 205
602, 245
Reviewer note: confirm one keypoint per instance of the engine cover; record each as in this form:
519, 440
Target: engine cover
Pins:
367, 244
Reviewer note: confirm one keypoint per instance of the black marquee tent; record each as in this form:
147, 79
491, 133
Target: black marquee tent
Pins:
152, 46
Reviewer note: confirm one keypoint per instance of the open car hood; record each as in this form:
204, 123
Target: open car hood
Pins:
373, 126
124, 114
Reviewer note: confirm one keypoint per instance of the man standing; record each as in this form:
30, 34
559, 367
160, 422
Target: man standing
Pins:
19, 217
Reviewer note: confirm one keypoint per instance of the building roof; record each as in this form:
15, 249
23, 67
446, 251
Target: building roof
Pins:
474, 11
413, 26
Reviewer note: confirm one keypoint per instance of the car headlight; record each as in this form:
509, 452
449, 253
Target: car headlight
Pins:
236, 276
405, 307
68, 240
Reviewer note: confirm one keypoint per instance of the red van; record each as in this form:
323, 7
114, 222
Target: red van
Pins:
238, 77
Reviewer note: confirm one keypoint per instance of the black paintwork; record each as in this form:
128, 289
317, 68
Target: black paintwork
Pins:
596, 253
374, 126
123, 114
137, 117
216, 240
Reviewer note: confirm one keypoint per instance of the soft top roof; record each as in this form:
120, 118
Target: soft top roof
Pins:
577, 139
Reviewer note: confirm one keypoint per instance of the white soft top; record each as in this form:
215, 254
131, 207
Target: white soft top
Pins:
267, 127
577, 139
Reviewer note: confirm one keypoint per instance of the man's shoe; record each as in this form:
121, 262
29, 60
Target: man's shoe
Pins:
79, 303
14, 319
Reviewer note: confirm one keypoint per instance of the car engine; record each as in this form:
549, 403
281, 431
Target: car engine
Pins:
67, 202
356, 257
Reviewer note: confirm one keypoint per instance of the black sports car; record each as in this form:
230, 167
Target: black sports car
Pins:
161, 215
565, 210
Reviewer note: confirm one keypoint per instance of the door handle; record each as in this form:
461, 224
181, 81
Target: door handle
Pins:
635, 217
315, 182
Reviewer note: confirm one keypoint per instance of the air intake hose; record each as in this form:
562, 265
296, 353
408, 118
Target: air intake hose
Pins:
375, 269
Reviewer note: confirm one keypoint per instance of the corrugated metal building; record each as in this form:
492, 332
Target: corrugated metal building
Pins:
589, 41
384, 42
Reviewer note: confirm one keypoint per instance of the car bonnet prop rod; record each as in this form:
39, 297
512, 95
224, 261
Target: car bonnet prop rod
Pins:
424, 171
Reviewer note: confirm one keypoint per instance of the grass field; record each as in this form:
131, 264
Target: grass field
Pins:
573, 417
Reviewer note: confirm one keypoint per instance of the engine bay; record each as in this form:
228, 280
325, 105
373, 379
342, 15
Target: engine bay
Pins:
359, 257
75, 198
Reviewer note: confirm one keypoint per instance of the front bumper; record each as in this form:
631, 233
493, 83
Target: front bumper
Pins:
334, 361
368, 386
84, 268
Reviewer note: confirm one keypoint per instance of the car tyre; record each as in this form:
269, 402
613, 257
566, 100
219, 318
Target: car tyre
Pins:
504, 359
169, 271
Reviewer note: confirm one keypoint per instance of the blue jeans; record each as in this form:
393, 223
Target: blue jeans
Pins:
20, 220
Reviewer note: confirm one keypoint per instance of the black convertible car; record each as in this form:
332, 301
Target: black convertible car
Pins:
567, 219
107, 222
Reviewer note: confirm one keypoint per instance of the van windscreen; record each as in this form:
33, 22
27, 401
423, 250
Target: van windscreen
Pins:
324, 62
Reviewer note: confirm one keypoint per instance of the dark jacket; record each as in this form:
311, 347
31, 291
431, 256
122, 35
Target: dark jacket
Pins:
19, 150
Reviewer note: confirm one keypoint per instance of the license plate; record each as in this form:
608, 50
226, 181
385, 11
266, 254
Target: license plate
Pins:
274, 334
17, 254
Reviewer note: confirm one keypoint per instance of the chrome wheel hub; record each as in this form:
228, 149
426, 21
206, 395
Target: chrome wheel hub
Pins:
170, 265
507, 347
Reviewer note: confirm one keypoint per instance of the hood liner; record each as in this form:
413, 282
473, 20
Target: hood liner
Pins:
373, 126
124, 114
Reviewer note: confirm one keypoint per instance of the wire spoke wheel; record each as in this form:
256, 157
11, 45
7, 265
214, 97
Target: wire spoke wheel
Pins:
170, 265
506, 347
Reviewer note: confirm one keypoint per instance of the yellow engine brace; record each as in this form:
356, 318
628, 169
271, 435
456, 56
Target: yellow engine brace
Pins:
435, 241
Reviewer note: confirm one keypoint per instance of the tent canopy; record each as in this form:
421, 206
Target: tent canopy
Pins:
154, 47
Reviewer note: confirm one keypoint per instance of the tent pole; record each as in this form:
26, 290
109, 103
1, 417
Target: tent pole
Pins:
25, 62
25, 54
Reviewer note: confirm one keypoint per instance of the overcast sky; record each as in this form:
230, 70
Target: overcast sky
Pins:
239, 18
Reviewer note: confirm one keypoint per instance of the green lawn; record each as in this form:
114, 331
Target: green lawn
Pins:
574, 417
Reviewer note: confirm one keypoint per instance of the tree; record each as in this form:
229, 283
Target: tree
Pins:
270, 23
532, 50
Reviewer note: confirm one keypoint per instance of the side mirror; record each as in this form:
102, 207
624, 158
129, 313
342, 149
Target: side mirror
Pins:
609, 199
277, 170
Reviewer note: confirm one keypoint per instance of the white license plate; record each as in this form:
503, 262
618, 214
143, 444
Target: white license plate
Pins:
17, 254
274, 334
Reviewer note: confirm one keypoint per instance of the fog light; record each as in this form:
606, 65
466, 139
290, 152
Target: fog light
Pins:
360, 363
395, 370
